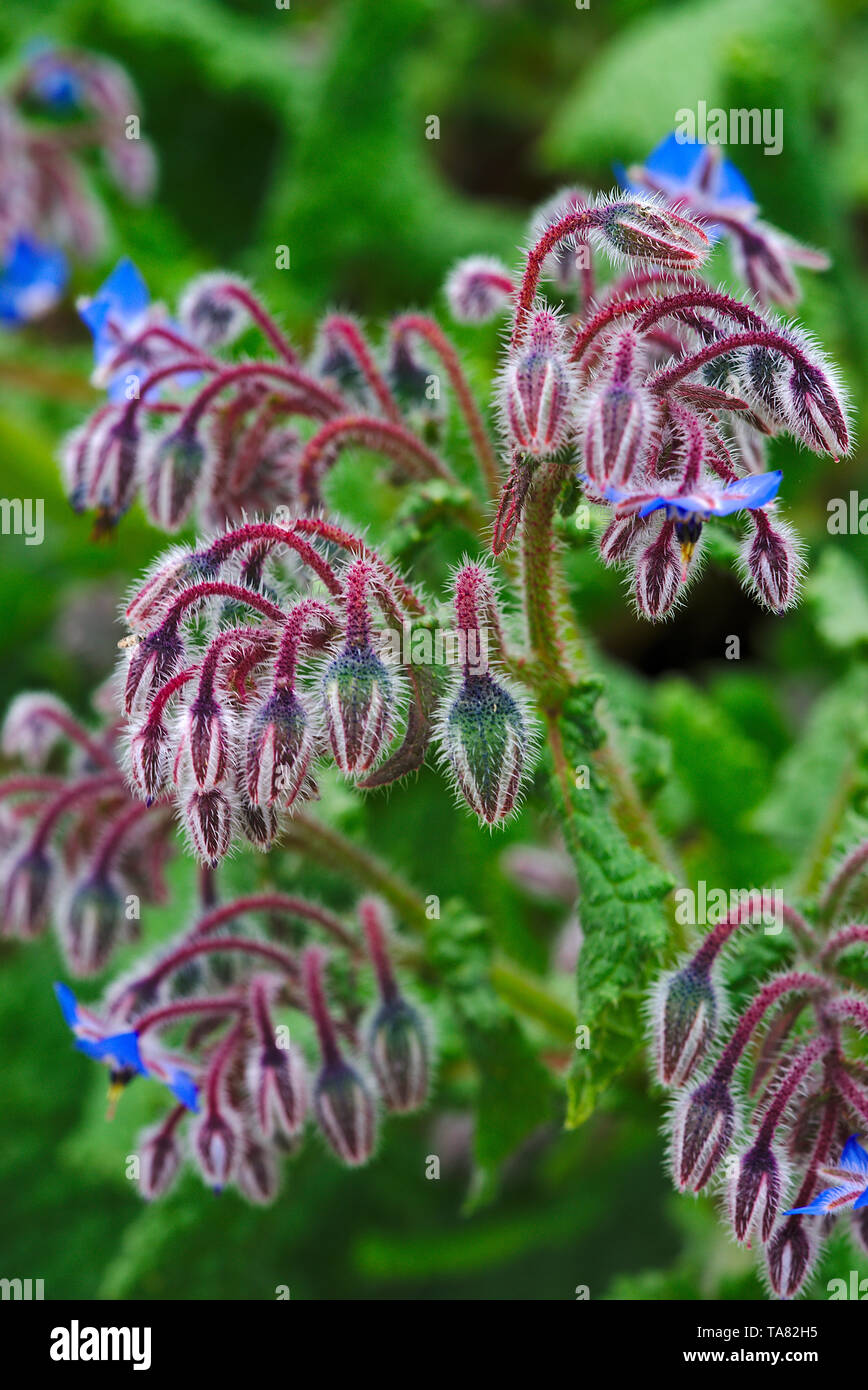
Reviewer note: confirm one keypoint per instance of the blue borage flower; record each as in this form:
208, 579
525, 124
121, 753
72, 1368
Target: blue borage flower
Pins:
701, 503
689, 509
120, 310
122, 1052
850, 1180
31, 281
116, 312
690, 169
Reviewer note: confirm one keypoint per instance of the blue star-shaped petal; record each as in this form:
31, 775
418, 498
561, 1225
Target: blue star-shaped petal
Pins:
115, 309
851, 1184
122, 1052
743, 494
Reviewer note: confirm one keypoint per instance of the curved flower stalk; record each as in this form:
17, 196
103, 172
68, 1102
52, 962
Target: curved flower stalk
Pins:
765, 1105
59, 104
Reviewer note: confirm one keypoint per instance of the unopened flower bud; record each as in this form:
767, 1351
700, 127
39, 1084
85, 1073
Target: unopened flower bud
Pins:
152, 661
34, 724
755, 1191
704, 1124
203, 741
216, 1147
790, 1256
538, 390
685, 1017
658, 574
646, 229
485, 743
149, 759
477, 289
159, 1160
279, 748
257, 1177
619, 419
342, 1102
209, 311
27, 893
359, 703
771, 562
208, 819
398, 1054
172, 470
277, 1084
91, 921
345, 1112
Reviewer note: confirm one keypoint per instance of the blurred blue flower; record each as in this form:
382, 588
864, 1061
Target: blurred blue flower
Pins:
31, 281
689, 169
850, 1180
115, 313
122, 1051
52, 79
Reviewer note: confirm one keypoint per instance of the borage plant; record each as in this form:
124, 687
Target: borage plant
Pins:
284, 650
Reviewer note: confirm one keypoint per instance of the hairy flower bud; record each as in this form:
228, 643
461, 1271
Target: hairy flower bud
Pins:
33, 726
279, 748
538, 390
149, 759
257, 1177
398, 1054
755, 1191
359, 703
485, 743
216, 1147
618, 422
152, 661
658, 574
646, 229
704, 1123
345, 1112
202, 743
172, 470
91, 921
277, 1084
685, 1017
790, 1256
210, 312
27, 885
620, 539
208, 819
771, 563
159, 1160
477, 289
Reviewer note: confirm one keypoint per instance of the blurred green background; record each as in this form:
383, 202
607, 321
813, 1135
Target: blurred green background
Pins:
307, 127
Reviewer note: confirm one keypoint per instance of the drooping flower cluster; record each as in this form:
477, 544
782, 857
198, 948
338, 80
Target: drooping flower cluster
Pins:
61, 104
658, 393
75, 848
203, 1017
766, 1107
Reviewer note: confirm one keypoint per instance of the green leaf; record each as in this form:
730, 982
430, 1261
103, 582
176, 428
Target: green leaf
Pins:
838, 592
622, 915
